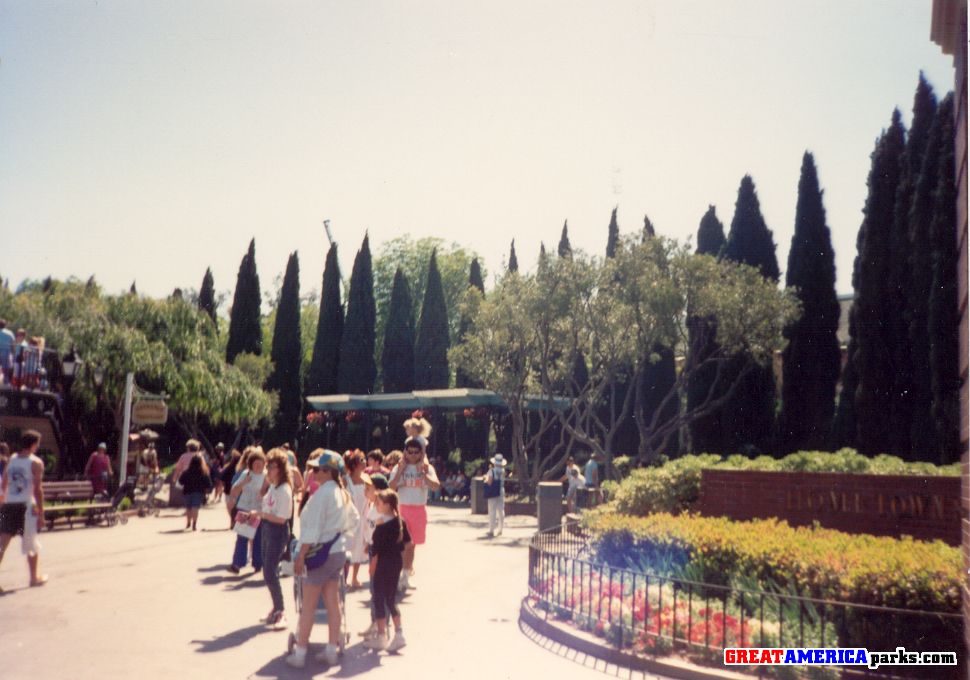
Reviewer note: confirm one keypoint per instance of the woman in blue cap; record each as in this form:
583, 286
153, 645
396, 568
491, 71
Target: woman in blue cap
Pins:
326, 523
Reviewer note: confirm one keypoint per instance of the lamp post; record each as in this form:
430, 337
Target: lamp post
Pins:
71, 363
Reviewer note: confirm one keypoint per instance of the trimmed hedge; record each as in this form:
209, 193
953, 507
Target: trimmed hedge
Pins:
822, 563
676, 486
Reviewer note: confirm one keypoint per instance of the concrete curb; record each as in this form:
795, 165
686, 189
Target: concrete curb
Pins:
593, 646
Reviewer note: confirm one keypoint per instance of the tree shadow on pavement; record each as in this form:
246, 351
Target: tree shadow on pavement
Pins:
230, 640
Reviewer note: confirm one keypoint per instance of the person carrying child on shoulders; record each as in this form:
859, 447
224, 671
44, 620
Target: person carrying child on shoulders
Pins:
413, 478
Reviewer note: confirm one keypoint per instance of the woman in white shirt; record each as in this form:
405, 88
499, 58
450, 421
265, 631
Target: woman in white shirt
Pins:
276, 510
329, 516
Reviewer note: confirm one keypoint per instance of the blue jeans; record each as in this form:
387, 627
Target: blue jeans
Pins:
273, 544
239, 556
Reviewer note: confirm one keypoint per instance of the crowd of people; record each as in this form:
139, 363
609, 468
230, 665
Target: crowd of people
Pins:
358, 514
22, 359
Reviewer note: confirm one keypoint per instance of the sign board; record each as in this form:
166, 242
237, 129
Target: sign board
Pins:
149, 412
925, 508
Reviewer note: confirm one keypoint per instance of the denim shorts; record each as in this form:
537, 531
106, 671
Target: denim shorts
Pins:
328, 571
193, 500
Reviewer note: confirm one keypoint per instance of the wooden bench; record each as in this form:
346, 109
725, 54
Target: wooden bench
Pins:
80, 495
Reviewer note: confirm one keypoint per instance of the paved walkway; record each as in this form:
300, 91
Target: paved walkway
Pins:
148, 600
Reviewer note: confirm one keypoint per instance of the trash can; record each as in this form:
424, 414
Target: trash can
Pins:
478, 502
549, 505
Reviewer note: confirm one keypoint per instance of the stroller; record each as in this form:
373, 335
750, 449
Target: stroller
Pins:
150, 506
298, 596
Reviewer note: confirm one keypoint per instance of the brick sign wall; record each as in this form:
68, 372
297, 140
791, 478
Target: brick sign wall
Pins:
884, 505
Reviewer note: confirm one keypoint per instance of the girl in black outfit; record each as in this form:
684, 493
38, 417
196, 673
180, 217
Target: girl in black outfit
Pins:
387, 562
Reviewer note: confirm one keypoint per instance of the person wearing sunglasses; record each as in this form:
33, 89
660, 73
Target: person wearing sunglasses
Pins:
413, 478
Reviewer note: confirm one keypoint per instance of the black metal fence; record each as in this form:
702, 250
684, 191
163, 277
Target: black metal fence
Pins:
656, 614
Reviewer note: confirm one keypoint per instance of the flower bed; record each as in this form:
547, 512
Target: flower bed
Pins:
659, 618
821, 563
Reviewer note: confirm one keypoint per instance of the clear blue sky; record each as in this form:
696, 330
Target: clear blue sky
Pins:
148, 141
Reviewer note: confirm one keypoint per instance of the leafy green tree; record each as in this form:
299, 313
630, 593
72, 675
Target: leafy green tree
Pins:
613, 235
749, 418
287, 355
900, 284
873, 310
207, 296
322, 376
812, 358
169, 345
513, 265
943, 308
245, 330
431, 369
358, 370
397, 355
528, 331
413, 258
564, 250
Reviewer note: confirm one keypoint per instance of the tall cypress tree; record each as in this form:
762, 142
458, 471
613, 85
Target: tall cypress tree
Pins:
322, 376
207, 296
358, 370
658, 380
613, 237
873, 308
397, 356
899, 288
923, 433
472, 440
812, 358
943, 317
287, 354
513, 265
431, 370
245, 327
648, 229
475, 280
565, 250
133, 290
749, 417
706, 432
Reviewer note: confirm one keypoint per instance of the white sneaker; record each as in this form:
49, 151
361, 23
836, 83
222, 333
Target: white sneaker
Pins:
296, 659
377, 643
397, 643
328, 655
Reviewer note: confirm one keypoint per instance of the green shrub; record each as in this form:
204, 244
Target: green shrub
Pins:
823, 563
472, 467
676, 486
